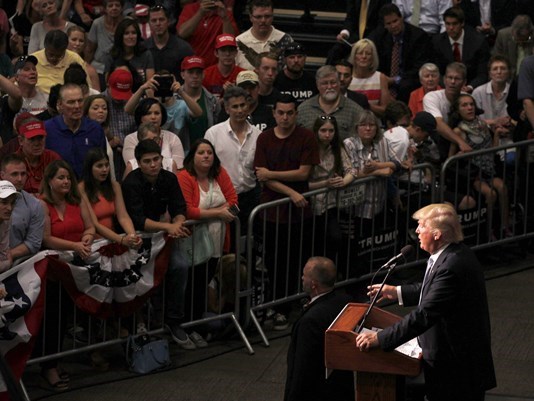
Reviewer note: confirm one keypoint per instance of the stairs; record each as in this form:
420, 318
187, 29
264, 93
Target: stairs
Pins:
316, 31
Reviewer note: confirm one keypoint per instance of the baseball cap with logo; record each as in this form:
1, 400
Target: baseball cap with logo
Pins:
120, 84
7, 189
32, 129
190, 62
246, 77
294, 48
22, 60
225, 40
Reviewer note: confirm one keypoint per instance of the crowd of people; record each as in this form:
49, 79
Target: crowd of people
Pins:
115, 121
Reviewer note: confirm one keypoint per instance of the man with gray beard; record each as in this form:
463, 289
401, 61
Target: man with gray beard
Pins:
330, 102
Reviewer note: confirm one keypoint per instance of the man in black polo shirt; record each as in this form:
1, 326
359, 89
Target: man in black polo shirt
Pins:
149, 193
167, 50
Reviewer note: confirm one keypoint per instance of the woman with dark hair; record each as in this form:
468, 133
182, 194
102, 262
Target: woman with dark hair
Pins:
464, 120
151, 110
333, 171
209, 195
68, 227
208, 191
104, 195
76, 74
97, 107
128, 51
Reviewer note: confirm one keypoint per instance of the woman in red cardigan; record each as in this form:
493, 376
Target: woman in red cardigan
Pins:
208, 192
209, 195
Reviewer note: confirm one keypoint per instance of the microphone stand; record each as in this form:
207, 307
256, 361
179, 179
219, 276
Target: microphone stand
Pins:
375, 298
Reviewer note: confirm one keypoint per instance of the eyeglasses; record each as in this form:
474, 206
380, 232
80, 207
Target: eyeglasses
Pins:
367, 125
157, 7
327, 117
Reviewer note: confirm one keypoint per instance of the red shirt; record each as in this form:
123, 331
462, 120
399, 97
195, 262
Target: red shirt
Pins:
202, 40
36, 173
214, 80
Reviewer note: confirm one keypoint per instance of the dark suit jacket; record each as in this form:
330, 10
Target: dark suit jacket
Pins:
415, 52
352, 20
506, 46
452, 322
357, 97
475, 55
305, 356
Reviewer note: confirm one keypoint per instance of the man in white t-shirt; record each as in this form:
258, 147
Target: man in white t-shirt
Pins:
34, 100
261, 37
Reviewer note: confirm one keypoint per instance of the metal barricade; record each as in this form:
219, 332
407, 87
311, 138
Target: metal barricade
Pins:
77, 332
365, 226
506, 216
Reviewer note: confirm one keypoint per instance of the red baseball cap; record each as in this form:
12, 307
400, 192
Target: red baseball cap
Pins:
31, 129
190, 62
120, 84
225, 40
141, 10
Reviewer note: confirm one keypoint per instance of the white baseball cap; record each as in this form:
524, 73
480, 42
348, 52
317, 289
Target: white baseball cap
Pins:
7, 189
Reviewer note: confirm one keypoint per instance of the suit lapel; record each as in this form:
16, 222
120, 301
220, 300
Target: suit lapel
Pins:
437, 265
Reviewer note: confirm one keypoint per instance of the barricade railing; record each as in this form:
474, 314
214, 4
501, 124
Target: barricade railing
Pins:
363, 227
87, 333
367, 234
504, 219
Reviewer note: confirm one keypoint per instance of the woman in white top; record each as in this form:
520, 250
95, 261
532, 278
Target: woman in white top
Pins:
151, 110
365, 77
51, 21
150, 131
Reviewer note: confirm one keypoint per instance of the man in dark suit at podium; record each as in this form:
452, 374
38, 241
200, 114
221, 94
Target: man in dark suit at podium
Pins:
451, 320
305, 356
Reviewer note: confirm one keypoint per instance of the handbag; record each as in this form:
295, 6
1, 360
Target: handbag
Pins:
203, 246
201, 238
145, 354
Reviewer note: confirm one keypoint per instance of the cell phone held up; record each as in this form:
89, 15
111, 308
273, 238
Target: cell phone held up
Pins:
164, 86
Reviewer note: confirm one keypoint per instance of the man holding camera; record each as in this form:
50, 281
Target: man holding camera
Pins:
201, 21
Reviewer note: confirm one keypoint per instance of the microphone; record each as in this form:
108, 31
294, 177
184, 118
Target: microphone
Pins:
404, 253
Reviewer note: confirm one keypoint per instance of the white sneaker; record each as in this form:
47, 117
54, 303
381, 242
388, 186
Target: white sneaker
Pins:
198, 340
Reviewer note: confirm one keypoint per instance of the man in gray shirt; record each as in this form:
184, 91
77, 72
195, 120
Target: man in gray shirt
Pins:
330, 102
27, 219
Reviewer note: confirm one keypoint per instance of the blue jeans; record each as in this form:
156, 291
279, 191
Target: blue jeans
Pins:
176, 284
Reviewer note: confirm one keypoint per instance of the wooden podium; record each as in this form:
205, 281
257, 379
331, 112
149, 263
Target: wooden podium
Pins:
377, 370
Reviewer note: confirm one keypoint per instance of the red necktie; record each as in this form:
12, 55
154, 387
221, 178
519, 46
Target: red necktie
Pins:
456, 52
395, 64
395, 58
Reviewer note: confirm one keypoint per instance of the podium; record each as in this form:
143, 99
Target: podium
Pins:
377, 370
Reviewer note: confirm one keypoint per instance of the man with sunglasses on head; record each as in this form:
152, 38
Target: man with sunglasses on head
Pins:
167, 50
330, 102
